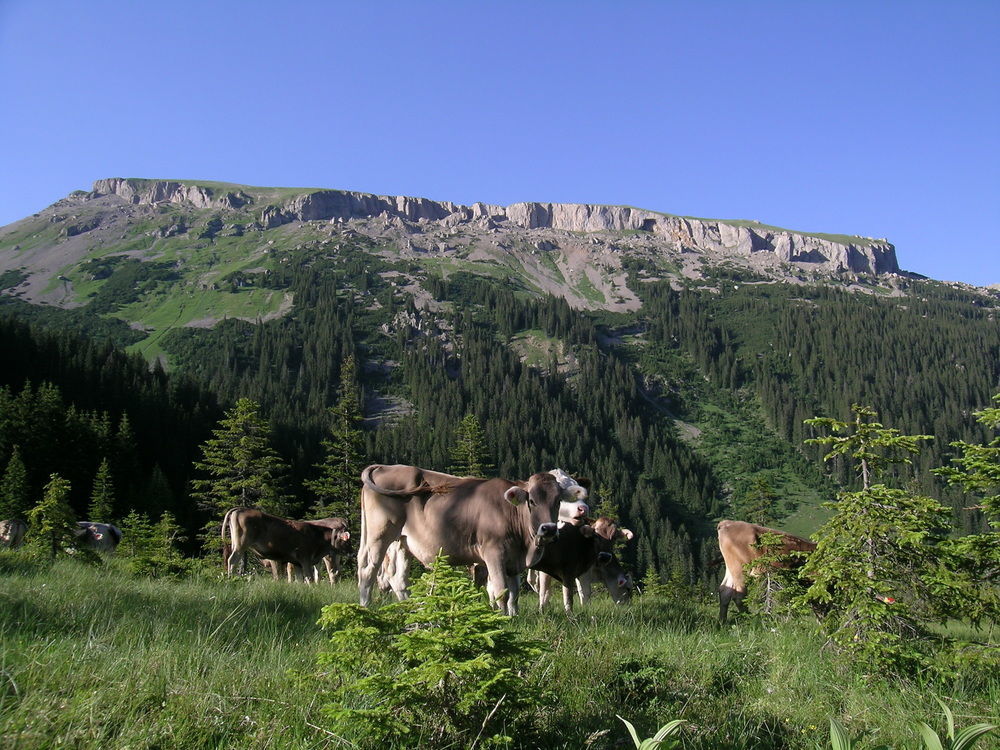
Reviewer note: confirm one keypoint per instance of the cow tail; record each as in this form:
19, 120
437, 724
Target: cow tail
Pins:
227, 549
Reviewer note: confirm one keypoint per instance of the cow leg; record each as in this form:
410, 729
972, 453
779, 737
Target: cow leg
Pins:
290, 572
544, 590
496, 586
238, 556
585, 586
568, 592
332, 563
730, 590
398, 568
513, 592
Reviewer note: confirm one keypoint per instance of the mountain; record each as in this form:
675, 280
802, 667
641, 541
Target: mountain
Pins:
577, 251
672, 359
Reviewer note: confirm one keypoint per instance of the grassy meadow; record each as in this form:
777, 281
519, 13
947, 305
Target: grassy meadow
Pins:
91, 657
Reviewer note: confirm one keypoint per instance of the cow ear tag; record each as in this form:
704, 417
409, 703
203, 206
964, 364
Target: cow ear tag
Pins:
515, 495
345, 535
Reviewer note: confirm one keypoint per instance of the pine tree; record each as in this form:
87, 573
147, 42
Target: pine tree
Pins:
51, 523
882, 572
244, 470
102, 497
469, 455
606, 506
336, 488
15, 492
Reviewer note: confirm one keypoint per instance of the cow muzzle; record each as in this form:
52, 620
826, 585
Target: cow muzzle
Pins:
547, 532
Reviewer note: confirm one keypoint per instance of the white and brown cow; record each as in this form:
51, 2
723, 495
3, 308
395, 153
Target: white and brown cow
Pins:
274, 538
99, 537
494, 522
738, 542
12, 533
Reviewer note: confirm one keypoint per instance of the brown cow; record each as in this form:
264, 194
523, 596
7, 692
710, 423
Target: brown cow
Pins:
275, 538
12, 533
341, 543
495, 522
580, 551
738, 542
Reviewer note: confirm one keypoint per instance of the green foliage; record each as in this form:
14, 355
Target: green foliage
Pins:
963, 740
931, 740
470, 455
15, 493
336, 487
978, 466
756, 502
658, 739
153, 550
431, 671
882, 572
871, 446
777, 586
243, 469
102, 497
51, 523
606, 506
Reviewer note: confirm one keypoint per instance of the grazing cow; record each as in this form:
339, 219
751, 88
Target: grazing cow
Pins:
12, 533
273, 538
738, 542
501, 524
582, 552
341, 543
99, 537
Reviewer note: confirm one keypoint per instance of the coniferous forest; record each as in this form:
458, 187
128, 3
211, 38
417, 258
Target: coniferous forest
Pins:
679, 413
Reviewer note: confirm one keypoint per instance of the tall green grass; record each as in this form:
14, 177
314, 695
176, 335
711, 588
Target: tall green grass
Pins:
93, 658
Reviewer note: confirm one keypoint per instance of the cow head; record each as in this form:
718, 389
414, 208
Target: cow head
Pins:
608, 568
539, 496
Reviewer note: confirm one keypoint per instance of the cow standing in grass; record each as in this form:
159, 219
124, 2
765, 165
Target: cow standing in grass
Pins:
498, 523
739, 543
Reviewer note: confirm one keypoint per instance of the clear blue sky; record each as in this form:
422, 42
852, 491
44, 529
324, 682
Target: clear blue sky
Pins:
871, 118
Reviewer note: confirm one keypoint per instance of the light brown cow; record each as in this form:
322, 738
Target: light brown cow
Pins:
738, 542
495, 522
12, 533
275, 538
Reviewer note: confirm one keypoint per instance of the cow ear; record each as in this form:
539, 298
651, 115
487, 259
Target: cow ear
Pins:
583, 482
587, 530
345, 535
515, 495
627, 534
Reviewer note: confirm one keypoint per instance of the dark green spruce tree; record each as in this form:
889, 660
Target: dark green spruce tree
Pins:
242, 469
51, 523
102, 497
470, 456
338, 484
15, 492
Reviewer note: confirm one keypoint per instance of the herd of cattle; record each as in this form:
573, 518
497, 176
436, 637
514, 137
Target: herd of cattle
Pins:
498, 528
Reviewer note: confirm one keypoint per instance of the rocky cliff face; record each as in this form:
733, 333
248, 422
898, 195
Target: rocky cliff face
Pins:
734, 239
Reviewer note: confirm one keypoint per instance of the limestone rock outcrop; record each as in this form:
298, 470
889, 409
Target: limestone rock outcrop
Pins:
743, 239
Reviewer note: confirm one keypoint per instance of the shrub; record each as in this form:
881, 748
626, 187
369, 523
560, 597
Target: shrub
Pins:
440, 669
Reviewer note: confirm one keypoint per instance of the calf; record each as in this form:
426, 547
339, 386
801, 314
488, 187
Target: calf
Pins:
738, 542
577, 551
12, 533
